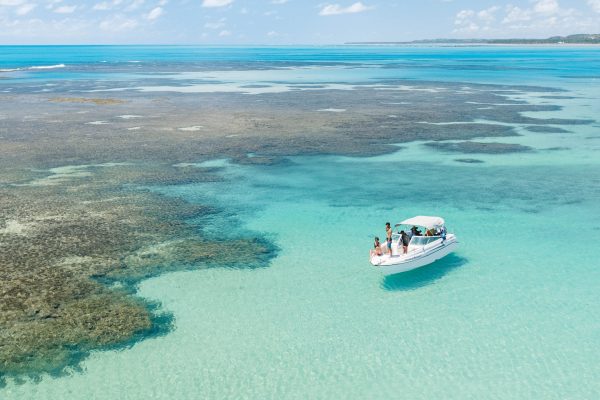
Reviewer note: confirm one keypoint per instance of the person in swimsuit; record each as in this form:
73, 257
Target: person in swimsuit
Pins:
405, 239
376, 248
388, 237
415, 231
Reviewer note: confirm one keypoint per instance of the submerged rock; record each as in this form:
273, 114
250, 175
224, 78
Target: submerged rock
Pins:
479, 147
546, 129
469, 160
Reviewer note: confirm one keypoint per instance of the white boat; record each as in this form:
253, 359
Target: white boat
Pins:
422, 250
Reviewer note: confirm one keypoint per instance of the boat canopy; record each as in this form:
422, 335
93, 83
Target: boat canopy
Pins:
427, 222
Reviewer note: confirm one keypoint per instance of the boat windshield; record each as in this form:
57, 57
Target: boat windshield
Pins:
423, 240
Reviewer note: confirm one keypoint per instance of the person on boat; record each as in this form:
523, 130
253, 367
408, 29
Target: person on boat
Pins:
405, 239
388, 237
442, 233
415, 231
376, 248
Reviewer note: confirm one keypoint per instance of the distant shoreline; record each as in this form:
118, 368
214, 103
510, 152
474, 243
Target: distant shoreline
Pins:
578, 39
470, 44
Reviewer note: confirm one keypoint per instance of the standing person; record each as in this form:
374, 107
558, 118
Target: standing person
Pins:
405, 240
388, 237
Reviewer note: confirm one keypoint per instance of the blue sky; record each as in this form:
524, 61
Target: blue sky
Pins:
287, 21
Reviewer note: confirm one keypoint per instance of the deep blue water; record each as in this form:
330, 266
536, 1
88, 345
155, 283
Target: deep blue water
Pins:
516, 64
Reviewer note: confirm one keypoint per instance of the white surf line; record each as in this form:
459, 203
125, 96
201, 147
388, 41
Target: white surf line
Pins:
191, 128
334, 110
129, 116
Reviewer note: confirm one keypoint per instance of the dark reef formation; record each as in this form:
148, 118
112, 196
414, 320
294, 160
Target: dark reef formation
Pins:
72, 250
469, 161
545, 129
479, 147
79, 226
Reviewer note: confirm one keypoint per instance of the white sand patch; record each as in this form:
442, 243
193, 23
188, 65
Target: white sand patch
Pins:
129, 116
97, 123
67, 173
14, 227
191, 128
411, 89
335, 110
492, 104
449, 123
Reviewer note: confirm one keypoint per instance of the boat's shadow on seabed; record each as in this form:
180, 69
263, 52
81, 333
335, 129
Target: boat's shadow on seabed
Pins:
423, 276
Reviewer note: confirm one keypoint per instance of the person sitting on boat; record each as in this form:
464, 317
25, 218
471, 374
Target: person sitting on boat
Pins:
405, 239
430, 232
415, 231
376, 248
388, 237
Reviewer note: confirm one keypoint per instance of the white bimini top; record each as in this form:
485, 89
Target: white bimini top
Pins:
427, 222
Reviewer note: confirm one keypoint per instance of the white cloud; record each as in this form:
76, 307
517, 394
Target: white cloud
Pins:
154, 14
516, 14
118, 23
52, 3
50, 30
65, 9
463, 15
336, 9
279, 1
546, 6
272, 34
11, 2
543, 18
134, 5
25, 9
595, 4
216, 3
488, 15
101, 6
106, 5
224, 33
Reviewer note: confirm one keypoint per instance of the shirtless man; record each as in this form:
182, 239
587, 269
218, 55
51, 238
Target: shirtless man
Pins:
388, 237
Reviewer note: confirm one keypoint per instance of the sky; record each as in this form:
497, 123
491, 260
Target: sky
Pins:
287, 21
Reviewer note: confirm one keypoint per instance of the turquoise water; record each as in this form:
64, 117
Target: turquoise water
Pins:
512, 314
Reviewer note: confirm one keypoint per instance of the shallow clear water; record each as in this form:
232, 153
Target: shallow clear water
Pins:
512, 314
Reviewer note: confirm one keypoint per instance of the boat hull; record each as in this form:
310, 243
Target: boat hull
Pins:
398, 264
